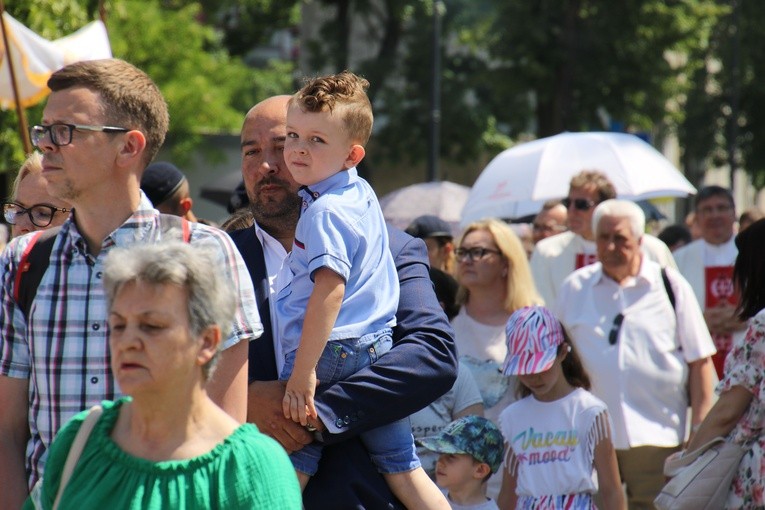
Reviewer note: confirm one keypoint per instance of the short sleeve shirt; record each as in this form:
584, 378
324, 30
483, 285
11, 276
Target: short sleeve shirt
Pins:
63, 349
643, 376
341, 228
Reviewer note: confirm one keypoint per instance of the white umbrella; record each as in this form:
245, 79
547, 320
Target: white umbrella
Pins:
441, 198
518, 180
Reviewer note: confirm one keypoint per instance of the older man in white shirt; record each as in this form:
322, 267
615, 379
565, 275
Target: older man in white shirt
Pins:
558, 256
644, 357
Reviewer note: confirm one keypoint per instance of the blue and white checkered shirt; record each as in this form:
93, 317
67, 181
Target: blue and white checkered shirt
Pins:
63, 348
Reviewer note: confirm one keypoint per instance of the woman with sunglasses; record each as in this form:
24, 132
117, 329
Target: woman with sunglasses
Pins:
495, 280
31, 207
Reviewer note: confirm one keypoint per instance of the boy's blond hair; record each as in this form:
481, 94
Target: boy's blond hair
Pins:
343, 92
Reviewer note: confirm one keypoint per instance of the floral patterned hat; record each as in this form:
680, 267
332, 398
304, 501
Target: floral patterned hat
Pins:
472, 435
533, 335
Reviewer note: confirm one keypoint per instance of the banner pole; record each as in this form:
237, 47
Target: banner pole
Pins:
20, 113
101, 14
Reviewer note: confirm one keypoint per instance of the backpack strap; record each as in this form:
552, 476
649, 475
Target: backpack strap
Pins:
668, 287
167, 222
32, 266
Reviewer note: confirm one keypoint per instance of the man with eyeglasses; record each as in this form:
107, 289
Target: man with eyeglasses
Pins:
32, 208
103, 123
647, 359
556, 257
707, 264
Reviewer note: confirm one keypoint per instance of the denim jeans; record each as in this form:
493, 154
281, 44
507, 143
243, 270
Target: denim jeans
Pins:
391, 446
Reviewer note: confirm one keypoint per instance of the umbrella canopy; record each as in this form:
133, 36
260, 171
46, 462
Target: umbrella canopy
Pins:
518, 180
443, 199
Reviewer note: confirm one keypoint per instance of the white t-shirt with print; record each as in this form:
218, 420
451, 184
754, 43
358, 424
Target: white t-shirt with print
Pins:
551, 444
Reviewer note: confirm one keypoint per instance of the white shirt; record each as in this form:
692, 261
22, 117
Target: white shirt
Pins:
279, 276
553, 443
479, 340
489, 504
720, 254
432, 419
482, 349
643, 377
694, 258
555, 258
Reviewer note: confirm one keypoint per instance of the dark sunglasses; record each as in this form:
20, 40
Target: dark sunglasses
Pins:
613, 335
580, 204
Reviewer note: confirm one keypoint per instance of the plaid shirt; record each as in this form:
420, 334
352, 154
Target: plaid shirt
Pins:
63, 349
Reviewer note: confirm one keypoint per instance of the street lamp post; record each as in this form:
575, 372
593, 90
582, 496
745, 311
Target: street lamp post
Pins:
434, 134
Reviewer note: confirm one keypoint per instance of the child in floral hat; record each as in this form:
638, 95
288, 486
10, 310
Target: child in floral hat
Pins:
558, 432
471, 451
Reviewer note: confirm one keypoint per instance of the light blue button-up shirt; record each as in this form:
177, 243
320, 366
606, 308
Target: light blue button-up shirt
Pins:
341, 228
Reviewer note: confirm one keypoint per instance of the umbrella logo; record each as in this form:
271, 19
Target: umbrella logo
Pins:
500, 193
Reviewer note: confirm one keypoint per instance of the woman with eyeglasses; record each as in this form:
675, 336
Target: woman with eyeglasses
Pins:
31, 207
495, 280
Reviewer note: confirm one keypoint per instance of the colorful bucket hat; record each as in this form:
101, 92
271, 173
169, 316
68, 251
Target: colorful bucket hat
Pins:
473, 435
533, 335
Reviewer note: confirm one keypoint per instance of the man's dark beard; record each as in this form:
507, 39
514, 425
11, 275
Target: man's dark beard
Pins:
279, 214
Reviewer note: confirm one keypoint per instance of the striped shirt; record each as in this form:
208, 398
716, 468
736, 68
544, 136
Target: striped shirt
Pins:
63, 348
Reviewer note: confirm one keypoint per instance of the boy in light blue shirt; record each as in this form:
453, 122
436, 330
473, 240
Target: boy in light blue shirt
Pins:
337, 312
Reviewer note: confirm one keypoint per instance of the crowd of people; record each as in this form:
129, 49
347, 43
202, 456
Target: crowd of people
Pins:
307, 355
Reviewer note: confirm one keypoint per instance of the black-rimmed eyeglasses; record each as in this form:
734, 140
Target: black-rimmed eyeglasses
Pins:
473, 253
61, 134
613, 335
41, 215
580, 204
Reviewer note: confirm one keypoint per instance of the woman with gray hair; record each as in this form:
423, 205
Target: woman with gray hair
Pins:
166, 445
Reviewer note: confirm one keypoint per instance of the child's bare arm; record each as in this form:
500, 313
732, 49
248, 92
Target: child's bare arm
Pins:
507, 497
320, 316
609, 481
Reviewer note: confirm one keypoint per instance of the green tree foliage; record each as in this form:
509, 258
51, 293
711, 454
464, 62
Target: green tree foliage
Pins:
514, 68
207, 89
582, 57
400, 73
468, 126
750, 77
725, 97
246, 24
51, 19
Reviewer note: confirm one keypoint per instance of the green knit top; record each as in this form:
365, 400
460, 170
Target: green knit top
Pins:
247, 470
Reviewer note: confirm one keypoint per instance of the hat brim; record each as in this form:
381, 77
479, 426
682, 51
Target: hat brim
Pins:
530, 363
439, 444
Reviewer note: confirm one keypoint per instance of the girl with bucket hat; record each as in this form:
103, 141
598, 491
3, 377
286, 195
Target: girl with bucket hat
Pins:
558, 432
